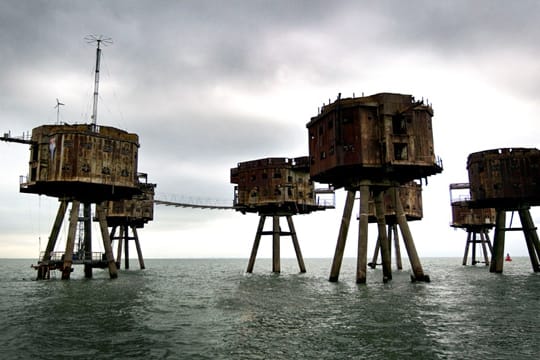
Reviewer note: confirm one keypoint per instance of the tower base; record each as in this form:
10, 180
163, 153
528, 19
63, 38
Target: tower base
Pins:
63, 261
531, 238
477, 235
276, 236
365, 188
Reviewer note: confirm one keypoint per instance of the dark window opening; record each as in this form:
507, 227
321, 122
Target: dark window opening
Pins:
264, 175
277, 175
289, 179
35, 152
400, 151
399, 124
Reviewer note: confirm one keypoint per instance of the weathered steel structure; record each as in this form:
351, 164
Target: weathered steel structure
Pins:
477, 222
373, 144
127, 215
275, 187
410, 195
81, 164
508, 180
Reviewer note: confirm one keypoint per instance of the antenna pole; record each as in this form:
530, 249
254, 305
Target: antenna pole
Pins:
96, 83
99, 40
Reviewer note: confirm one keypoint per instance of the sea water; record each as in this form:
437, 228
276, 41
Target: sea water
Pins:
212, 309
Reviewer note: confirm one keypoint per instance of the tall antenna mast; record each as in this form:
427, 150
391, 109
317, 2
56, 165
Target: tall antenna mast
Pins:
99, 40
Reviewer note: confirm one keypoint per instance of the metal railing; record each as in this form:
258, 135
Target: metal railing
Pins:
59, 256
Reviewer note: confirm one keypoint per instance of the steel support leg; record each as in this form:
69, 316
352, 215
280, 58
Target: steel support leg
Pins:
531, 237
255, 248
296, 245
138, 247
484, 240
392, 229
87, 213
497, 259
43, 269
68, 255
126, 246
381, 227
276, 259
408, 239
342, 236
467, 244
113, 271
361, 261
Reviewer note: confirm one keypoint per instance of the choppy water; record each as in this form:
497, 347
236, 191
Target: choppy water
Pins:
211, 309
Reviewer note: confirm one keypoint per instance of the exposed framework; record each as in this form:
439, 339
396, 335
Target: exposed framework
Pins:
373, 145
128, 215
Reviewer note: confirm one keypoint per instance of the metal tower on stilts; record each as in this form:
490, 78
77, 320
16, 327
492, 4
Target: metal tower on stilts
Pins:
477, 222
507, 180
276, 188
410, 195
373, 145
128, 215
82, 165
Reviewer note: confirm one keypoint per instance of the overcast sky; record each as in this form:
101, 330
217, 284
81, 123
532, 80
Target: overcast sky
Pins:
208, 84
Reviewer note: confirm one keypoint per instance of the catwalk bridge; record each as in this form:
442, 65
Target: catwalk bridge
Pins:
194, 203
325, 198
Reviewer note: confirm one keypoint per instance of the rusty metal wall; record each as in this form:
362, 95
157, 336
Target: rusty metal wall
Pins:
410, 195
505, 177
369, 137
137, 211
273, 181
463, 216
82, 156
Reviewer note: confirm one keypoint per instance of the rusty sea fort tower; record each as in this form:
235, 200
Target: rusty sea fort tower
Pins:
374, 145
507, 180
477, 222
276, 188
85, 165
